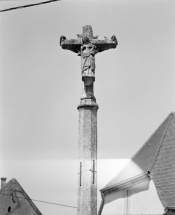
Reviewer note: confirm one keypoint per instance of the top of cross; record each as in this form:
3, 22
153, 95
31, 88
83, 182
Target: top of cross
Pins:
87, 32
101, 44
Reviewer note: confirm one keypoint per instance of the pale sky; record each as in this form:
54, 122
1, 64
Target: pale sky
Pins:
40, 89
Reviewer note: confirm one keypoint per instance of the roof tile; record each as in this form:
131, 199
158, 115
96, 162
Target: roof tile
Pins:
157, 157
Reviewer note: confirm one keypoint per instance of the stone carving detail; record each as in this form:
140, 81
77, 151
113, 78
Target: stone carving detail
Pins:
87, 46
62, 38
88, 51
114, 39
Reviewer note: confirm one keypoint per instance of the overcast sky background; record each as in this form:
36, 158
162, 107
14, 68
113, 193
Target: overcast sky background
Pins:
40, 89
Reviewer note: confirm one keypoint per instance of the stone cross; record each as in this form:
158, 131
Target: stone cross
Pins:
87, 46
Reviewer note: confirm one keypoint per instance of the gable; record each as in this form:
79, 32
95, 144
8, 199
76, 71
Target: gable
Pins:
156, 158
142, 161
15, 200
163, 168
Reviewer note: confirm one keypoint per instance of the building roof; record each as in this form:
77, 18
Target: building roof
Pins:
156, 158
15, 200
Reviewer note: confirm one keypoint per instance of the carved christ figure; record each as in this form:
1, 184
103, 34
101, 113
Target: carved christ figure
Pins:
87, 46
88, 51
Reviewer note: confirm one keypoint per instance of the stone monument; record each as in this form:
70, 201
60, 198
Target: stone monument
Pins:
87, 46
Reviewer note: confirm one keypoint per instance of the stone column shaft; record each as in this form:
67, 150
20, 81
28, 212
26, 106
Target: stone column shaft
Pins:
87, 154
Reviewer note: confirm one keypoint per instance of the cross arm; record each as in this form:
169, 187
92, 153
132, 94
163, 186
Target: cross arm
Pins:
72, 44
101, 44
105, 44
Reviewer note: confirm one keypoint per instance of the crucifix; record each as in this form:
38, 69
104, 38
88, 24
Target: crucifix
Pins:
87, 46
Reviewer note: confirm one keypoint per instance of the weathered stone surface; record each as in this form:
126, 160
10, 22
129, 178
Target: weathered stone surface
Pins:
88, 51
87, 185
87, 32
101, 44
86, 46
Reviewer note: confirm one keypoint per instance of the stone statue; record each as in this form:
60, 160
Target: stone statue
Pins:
88, 51
87, 46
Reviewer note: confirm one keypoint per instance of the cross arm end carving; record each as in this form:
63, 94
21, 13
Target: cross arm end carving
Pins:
105, 44
72, 44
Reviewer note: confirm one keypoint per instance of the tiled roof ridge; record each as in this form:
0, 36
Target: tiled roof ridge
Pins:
170, 115
160, 143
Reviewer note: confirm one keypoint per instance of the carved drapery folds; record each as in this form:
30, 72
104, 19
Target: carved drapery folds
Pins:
87, 46
88, 51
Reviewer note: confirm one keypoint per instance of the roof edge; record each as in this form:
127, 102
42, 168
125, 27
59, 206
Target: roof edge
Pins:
29, 199
23, 192
126, 184
170, 116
